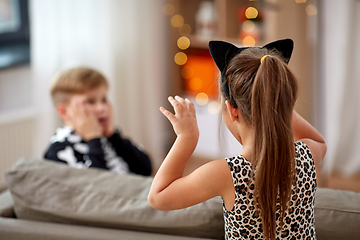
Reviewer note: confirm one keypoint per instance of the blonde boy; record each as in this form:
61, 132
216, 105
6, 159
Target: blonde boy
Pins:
88, 137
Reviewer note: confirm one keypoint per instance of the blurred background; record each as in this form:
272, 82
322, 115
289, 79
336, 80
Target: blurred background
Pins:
150, 49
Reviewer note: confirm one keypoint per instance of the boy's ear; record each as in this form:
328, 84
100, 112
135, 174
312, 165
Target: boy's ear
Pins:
233, 112
61, 110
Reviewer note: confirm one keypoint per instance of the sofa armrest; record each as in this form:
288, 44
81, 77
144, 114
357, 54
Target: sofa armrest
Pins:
6, 205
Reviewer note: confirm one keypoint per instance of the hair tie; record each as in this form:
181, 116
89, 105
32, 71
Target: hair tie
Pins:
262, 59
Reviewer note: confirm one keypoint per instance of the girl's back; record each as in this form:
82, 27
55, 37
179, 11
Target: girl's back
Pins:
244, 221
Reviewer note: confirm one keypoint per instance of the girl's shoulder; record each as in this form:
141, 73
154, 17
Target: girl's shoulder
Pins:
315, 150
303, 151
304, 161
239, 161
240, 169
299, 144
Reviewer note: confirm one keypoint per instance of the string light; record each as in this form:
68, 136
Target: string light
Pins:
248, 41
248, 26
311, 10
187, 72
213, 107
168, 9
183, 43
195, 84
177, 20
202, 99
180, 58
251, 13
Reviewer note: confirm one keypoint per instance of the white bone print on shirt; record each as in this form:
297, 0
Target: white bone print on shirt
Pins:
61, 134
68, 156
115, 163
82, 148
74, 138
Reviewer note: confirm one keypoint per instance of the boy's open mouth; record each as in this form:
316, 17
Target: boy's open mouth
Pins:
102, 120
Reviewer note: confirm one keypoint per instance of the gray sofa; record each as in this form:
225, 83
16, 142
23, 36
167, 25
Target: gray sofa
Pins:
48, 200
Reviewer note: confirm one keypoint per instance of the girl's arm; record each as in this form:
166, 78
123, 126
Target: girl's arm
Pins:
170, 190
303, 131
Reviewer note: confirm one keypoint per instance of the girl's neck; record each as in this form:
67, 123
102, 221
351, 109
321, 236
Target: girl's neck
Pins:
247, 152
247, 141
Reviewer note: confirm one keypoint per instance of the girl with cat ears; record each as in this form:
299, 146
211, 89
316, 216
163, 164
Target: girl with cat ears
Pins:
258, 93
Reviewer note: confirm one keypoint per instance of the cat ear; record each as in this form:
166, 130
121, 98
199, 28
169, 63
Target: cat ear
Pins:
284, 47
222, 53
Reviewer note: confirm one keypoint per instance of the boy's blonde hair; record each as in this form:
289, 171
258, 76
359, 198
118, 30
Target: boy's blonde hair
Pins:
75, 81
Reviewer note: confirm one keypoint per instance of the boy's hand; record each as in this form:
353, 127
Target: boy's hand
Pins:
184, 121
109, 128
84, 121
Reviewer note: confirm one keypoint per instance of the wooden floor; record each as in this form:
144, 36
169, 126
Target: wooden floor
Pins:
334, 181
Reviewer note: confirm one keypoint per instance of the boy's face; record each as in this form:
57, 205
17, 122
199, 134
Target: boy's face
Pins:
95, 101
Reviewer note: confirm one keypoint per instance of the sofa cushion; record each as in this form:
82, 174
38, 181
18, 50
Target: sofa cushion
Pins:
20, 229
53, 192
337, 214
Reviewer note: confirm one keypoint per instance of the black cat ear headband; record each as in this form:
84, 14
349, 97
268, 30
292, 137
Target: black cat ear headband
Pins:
223, 52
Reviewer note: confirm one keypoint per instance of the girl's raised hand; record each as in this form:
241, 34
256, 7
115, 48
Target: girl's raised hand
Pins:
184, 121
172, 190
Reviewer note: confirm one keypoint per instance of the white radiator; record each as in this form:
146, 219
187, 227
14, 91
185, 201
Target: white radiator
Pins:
15, 142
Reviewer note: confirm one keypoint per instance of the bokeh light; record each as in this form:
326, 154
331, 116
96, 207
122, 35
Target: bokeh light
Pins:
183, 43
168, 9
187, 72
248, 41
248, 26
300, 1
202, 99
180, 58
195, 84
213, 107
177, 20
185, 30
311, 10
251, 13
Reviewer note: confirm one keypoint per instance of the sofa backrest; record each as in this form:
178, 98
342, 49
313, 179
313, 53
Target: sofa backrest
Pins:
54, 192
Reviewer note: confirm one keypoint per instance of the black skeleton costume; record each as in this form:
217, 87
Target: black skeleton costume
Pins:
115, 153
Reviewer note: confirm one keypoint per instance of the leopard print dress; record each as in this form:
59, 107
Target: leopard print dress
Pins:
244, 222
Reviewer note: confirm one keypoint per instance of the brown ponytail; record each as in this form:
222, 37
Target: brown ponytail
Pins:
266, 93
